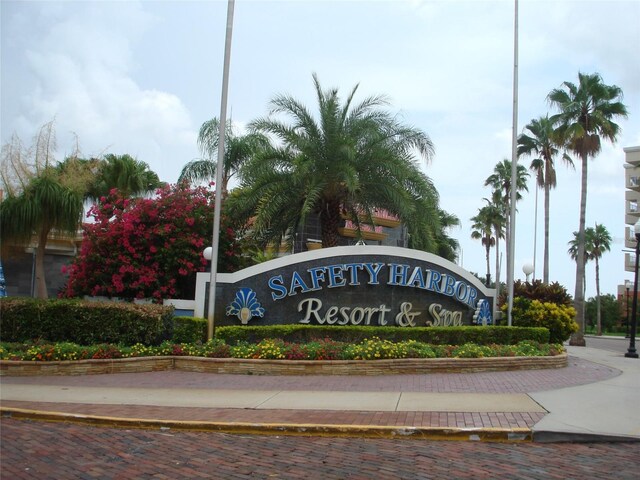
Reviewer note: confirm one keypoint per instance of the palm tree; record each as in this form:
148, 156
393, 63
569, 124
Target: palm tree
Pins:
482, 229
131, 177
573, 253
498, 220
344, 163
599, 242
447, 246
587, 111
39, 199
238, 149
500, 181
542, 144
45, 205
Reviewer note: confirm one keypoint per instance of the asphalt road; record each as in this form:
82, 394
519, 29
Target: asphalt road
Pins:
614, 344
42, 450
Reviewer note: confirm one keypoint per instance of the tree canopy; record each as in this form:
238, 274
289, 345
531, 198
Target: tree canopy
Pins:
342, 163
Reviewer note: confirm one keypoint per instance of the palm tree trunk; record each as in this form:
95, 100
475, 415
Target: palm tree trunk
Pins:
497, 270
545, 268
329, 224
497, 275
41, 283
488, 248
577, 339
598, 313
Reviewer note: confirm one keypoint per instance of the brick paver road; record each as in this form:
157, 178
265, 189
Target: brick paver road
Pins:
43, 450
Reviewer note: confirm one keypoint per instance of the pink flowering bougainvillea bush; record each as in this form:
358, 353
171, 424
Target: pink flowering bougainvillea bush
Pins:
148, 247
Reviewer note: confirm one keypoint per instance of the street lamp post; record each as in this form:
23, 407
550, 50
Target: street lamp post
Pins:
631, 352
627, 284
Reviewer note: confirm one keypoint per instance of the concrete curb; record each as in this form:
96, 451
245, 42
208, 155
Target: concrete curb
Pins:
511, 435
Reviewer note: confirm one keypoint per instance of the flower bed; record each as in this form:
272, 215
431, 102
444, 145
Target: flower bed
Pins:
276, 349
275, 357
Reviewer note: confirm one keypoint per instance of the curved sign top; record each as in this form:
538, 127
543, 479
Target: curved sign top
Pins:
354, 285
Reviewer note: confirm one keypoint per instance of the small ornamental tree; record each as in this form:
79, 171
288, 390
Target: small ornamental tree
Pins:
536, 304
148, 248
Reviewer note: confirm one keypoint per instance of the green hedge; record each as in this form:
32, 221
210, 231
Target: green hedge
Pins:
189, 330
83, 322
356, 334
87, 323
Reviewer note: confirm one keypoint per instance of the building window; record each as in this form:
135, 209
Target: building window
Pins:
634, 182
633, 206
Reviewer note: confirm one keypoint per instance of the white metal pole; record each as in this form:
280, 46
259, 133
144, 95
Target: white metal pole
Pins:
514, 170
219, 169
535, 234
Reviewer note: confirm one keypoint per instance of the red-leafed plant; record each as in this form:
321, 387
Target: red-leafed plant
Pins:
148, 247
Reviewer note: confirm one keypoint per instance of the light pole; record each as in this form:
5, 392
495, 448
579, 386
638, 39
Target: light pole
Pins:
631, 352
215, 241
627, 284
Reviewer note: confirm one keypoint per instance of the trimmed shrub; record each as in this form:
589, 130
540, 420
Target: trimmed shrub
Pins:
552, 293
189, 330
558, 319
83, 322
356, 334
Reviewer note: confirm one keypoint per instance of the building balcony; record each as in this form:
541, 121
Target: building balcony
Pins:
632, 155
367, 232
629, 238
629, 262
380, 218
633, 182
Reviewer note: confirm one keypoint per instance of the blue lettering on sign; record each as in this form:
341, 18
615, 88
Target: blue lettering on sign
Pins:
277, 285
434, 280
447, 285
335, 276
297, 282
353, 268
373, 269
398, 274
340, 275
416, 279
317, 276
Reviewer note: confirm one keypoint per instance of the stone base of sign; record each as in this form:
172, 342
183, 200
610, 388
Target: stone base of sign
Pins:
281, 367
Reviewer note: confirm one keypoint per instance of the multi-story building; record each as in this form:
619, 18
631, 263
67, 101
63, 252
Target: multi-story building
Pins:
631, 216
632, 202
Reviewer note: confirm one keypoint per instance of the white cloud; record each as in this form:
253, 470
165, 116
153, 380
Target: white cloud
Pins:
83, 69
139, 77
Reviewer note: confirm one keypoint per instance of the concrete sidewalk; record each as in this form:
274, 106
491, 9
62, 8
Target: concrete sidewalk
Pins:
594, 398
608, 409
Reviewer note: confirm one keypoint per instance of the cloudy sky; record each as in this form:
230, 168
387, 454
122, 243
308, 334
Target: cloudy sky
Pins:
141, 77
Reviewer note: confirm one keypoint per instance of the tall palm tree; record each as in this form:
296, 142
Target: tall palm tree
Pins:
482, 230
498, 220
342, 163
500, 181
542, 145
599, 243
131, 177
238, 149
587, 113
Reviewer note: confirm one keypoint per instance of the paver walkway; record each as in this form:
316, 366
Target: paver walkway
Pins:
486, 400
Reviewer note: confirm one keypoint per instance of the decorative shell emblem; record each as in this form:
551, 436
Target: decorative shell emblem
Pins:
245, 306
483, 313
